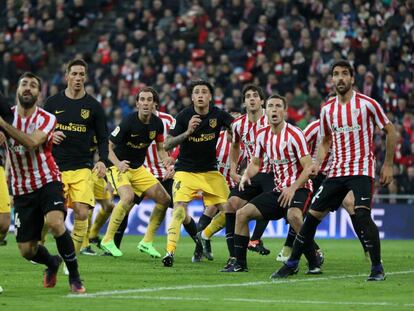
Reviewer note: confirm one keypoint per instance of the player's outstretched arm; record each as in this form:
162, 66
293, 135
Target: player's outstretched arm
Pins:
30, 141
387, 168
122, 166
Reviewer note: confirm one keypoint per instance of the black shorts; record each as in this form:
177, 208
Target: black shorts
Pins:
167, 184
270, 208
317, 182
30, 210
333, 191
262, 182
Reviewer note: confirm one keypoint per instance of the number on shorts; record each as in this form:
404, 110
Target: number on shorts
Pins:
16, 223
316, 196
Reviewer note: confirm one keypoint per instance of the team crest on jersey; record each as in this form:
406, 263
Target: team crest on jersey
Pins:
152, 134
85, 113
356, 112
212, 123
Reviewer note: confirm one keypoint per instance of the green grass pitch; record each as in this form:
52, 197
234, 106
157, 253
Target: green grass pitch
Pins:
137, 282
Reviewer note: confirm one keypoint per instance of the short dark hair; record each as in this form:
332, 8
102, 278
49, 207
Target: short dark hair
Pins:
76, 62
30, 75
277, 96
254, 88
193, 84
342, 63
154, 93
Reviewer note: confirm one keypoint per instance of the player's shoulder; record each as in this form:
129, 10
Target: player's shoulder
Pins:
45, 114
364, 99
293, 129
263, 130
239, 119
57, 98
156, 120
313, 125
186, 113
328, 103
164, 116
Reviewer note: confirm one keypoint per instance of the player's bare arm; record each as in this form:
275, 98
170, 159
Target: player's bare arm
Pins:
171, 141
251, 170
323, 150
122, 166
387, 168
30, 141
286, 197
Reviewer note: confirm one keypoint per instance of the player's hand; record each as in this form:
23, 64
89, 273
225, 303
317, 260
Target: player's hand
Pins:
245, 179
3, 138
286, 197
99, 169
167, 162
229, 135
314, 170
58, 137
123, 166
387, 175
235, 177
194, 122
170, 173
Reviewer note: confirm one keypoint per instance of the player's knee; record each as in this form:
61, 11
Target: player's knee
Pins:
165, 199
127, 200
243, 214
4, 225
232, 205
56, 226
295, 217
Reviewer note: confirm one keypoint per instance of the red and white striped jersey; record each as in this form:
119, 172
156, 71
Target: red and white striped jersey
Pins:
152, 160
32, 169
223, 157
245, 132
314, 140
284, 151
352, 128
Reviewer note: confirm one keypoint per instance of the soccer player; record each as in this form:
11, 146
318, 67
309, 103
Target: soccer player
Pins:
36, 185
245, 129
197, 130
313, 139
79, 117
127, 150
4, 194
348, 122
285, 147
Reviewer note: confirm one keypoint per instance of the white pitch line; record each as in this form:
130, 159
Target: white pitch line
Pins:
265, 301
259, 283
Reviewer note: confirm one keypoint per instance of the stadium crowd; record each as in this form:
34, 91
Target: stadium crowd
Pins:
283, 46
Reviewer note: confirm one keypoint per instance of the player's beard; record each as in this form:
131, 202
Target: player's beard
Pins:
27, 103
346, 88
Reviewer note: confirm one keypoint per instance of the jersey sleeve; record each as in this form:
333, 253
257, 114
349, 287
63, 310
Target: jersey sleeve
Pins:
179, 126
236, 132
101, 131
379, 115
227, 119
159, 138
259, 150
324, 128
119, 133
46, 123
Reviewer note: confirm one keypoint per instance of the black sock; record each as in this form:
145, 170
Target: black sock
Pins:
43, 256
290, 237
357, 231
230, 224
306, 235
119, 234
259, 229
370, 234
240, 249
66, 250
315, 245
191, 228
203, 222
310, 253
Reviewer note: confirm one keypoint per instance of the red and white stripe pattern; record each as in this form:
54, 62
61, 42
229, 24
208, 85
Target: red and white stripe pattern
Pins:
32, 169
352, 128
314, 140
152, 160
223, 157
245, 132
284, 151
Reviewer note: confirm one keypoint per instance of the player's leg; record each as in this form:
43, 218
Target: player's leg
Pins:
218, 222
205, 221
362, 187
329, 196
100, 219
86, 248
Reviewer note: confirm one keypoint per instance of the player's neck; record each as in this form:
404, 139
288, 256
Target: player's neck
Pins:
277, 128
23, 112
75, 94
202, 110
144, 118
345, 98
255, 115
